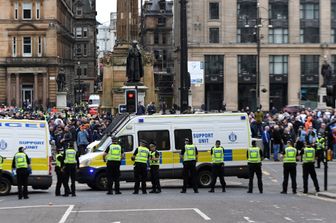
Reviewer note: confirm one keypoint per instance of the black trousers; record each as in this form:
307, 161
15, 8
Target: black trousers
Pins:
320, 156
289, 169
189, 172
140, 175
218, 171
60, 180
155, 177
113, 175
70, 173
309, 169
255, 168
22, 182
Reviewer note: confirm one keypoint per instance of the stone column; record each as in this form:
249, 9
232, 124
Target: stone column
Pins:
9, 91
229, 10
148, 79
294, 24
35, 89
325, 21
45, 89
231, 82
294, 79
264, 82
17, 87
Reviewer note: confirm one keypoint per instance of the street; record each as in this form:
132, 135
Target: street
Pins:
170, 206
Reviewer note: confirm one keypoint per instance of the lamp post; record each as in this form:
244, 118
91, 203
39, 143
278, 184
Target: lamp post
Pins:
79, 83
184, 86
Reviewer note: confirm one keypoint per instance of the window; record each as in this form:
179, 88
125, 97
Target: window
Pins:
213, 35
159, 137
39, 48
79, 11
246, 35
156, 37
27, 8
27, 47
278, 11
164, 38
85, 71
180, 135
38, 9
78, 32
214, 10
309, 11
214, 68
14, 46
278, 65
16, 8
85, 31
278, 36
310, 35
161, 21
78, 49
84, 49
333, 36
247, 65
126, 143
310, 65
333, 11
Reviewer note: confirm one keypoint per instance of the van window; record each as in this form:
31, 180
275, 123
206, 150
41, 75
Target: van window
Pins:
159, 137
180, 135
126, 143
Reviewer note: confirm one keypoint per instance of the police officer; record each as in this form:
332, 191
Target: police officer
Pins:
254, 155
320, 145
112, 156
59, 172
154, 162
21, 163
289, 167
189, 156
217, 155
140, 156
309, 168
70, 164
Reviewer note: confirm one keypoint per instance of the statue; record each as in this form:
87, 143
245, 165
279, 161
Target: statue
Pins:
60, 82
134, 67
326, 73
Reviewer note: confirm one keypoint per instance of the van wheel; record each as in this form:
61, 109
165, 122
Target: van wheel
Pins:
5, 186
204, 178
101, 181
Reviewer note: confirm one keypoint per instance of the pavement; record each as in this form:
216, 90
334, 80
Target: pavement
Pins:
234, 206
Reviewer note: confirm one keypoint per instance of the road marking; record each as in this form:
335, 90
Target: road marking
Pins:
314, 219
274, 180
317, 197
289, 219
204, 216
266, 173
248, 220
36, 206
116, 222
276, 206
1, 200
66, 214
198, 211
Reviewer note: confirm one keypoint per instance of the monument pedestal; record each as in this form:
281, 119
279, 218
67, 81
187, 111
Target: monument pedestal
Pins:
61, 100
322, 93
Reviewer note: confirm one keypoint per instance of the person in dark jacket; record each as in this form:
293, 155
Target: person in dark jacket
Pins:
21, 164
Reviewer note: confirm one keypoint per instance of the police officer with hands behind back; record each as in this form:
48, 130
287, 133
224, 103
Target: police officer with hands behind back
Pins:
309, 168
71, 163
189, 155
217, 156
112, 156
140, 156
59, 171
254, 155
21, 163
154, 162
289, 167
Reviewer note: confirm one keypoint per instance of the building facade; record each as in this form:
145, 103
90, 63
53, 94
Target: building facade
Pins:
36, 48
295, 38
158, 39
85, 49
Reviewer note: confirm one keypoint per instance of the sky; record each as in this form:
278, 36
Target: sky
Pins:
104, 8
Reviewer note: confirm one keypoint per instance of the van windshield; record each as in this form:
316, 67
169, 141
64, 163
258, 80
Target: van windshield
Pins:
93, 101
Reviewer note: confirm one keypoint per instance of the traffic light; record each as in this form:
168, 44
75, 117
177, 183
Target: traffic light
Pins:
330, 100
131, 101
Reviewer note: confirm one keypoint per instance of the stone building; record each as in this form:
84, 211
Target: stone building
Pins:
158, 39
85, 48
295, 38
36, 46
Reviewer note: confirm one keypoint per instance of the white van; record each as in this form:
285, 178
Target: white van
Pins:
169, 132
34, 136
94, 101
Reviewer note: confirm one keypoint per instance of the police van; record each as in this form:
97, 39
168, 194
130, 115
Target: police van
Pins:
168, 132
34, 137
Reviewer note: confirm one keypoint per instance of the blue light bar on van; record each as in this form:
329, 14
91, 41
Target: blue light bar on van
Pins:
141, 120
242, 117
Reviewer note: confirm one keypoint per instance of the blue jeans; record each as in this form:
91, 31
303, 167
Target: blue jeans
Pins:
276, 149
